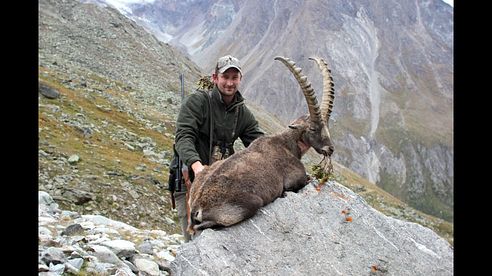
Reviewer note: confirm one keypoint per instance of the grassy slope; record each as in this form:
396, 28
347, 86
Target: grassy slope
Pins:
100, 153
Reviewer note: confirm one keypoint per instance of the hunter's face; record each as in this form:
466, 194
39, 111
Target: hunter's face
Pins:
228, 82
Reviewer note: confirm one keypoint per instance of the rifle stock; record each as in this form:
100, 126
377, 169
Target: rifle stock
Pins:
173, 201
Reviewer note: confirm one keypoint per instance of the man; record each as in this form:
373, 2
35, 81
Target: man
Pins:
231, 120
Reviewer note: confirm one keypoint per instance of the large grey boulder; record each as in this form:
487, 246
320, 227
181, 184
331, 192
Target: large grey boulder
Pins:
330, 232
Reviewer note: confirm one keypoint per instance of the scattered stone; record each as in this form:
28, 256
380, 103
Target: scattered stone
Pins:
77, 196
123, 249
72, 230
147, 266
74, 159
53, 255
47, 91
145, 248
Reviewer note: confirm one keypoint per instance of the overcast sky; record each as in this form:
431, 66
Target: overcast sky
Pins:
450, 2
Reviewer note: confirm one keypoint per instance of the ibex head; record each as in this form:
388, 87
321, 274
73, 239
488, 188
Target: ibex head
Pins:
317, 134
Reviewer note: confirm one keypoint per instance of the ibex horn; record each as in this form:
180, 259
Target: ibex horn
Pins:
328, 90
312, 102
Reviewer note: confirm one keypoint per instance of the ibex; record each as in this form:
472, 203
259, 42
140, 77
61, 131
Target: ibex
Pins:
233, 189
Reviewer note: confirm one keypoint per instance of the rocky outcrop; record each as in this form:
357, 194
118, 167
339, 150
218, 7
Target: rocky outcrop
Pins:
74, 244
328, 232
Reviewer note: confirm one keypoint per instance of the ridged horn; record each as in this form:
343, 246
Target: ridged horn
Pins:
328, 90
312, 102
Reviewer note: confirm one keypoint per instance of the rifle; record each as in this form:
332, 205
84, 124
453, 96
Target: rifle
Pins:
176, 168
175, 178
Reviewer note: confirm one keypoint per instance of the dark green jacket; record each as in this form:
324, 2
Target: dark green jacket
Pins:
193, 125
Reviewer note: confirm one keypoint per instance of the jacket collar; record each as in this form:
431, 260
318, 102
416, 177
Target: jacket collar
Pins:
238, 98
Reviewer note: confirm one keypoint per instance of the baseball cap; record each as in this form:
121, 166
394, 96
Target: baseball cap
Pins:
227, 62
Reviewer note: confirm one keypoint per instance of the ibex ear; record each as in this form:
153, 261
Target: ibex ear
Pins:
295, 126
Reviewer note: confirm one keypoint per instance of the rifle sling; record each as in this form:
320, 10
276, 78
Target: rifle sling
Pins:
211, 126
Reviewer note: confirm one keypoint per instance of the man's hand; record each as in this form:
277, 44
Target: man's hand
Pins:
197, 167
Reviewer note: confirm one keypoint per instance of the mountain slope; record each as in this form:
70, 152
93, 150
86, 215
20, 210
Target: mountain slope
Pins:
118, 98
392, 64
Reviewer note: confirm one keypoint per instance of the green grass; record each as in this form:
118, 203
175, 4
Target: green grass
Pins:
99, 153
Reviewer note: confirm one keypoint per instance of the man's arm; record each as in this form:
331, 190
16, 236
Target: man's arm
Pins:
190, 118
197, 167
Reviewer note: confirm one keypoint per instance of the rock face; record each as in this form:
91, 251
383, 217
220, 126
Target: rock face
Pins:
330, 232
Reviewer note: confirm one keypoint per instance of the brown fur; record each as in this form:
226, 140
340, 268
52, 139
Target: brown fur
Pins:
232, 190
